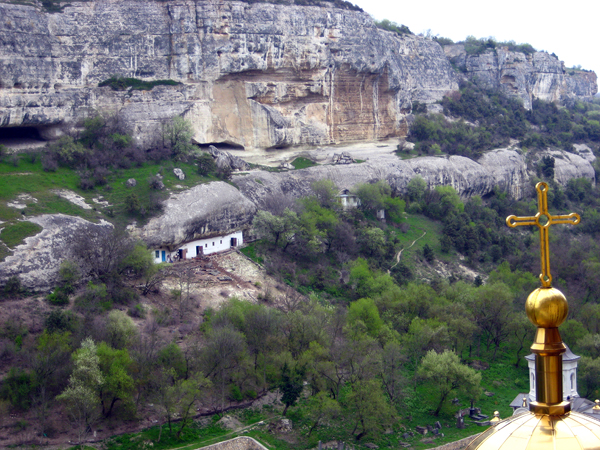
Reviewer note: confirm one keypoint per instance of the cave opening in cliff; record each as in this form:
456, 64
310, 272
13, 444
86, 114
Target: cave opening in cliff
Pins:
11, 136
223, 146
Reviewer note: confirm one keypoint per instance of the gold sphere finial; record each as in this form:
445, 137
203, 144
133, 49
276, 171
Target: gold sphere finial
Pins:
546, 307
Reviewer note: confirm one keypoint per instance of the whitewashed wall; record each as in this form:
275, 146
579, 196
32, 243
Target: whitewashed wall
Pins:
210, 245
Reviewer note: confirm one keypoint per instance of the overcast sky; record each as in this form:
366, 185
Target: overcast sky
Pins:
570, 29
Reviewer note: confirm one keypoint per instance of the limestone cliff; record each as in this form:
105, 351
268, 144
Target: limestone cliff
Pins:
538, 75
506, 169
254, 75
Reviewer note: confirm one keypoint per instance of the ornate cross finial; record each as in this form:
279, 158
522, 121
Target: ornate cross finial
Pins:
543, 219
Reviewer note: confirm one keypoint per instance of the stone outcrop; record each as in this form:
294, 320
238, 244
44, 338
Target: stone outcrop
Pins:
37, 260
508, 169
505, 168
227, 160
537, 75
570, 165
202, 211
254, 75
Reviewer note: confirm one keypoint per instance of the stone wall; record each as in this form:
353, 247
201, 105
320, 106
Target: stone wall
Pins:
457, 445
239, 443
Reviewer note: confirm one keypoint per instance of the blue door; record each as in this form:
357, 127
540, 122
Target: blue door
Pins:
164, 258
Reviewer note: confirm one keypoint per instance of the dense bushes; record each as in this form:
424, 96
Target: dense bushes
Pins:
118, 83
474, 46
489, 119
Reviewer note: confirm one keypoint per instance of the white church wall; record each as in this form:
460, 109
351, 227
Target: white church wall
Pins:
199, 247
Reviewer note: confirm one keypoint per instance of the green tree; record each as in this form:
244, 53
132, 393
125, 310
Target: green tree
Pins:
372, 196
325, 191
416, 189
177, 136
367, 408
115, 366
587, 374
428, 253
81, 395
69, 152
277, 229
177, 397
365, 311
372, 241
291, 385
132, 203
445, 373
120, 329
320, 408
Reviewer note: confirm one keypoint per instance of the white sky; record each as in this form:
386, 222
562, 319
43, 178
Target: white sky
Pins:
570, 29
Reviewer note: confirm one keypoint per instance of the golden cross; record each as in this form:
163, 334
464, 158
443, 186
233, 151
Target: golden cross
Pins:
543, 219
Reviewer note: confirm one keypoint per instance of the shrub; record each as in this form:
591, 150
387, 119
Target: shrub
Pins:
132, 203
58, 298
59, 320
13, 286
118, 83
206, 164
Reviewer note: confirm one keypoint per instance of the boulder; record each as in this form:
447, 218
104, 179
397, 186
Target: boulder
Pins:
342, 158
202, 211
569, 165
37, 260
227, 160
131, 182
179, 173
283, 426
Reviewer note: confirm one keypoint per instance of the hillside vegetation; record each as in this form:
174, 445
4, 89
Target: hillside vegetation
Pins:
367, 311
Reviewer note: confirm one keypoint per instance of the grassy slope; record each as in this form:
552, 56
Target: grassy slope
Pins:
28, 177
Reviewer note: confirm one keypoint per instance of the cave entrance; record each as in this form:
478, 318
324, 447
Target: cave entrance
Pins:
19, 138
223, 146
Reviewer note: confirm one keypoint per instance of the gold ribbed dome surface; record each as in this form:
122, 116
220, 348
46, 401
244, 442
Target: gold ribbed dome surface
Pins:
531, 432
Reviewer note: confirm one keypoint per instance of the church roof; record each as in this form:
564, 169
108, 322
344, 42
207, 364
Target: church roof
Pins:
518, 401
530, 431
567, 356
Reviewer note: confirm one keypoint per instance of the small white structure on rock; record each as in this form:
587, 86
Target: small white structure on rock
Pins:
198, 247
348, 200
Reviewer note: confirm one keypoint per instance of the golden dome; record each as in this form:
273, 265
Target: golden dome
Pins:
539, 431
547, 307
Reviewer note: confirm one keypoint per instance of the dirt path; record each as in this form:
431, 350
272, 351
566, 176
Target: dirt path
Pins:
400, 252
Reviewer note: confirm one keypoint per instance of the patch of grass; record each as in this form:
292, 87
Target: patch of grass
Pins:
250, 251
14, 234
118, 189
117, 83
303, 163
4, 251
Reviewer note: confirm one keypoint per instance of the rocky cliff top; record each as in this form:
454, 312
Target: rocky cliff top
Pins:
528, 76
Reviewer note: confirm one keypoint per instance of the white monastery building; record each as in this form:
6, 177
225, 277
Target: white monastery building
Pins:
198, 247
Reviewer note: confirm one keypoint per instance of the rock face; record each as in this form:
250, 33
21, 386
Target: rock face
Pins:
570, 165
505, 168
202, 211
254, 75
539, 75
36, 262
